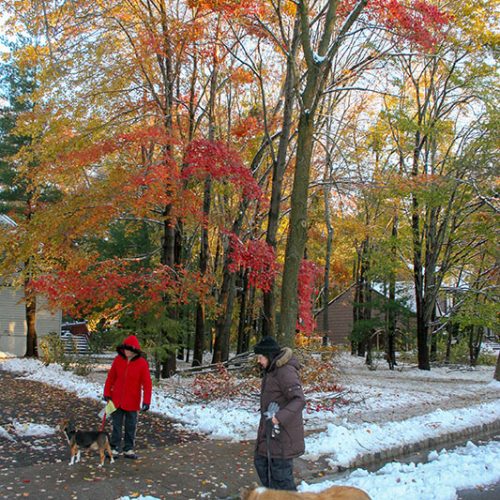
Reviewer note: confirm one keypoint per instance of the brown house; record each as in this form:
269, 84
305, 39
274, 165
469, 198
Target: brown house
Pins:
341, 317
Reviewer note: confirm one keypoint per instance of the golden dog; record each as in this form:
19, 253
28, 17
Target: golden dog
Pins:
333, 493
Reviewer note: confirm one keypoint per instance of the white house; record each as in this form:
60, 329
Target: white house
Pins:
13, 326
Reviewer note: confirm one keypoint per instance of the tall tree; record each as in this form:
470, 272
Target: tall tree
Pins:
318, 60
22, 259
443, 84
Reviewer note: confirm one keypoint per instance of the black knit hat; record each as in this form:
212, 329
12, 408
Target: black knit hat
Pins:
267, 346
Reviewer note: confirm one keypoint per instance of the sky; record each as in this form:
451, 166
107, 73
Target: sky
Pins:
340, 436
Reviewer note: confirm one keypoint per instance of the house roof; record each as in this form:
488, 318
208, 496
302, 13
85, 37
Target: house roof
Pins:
334, 299
341, 294
405, 294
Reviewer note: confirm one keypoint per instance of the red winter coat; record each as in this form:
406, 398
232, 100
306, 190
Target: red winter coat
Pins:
127, 379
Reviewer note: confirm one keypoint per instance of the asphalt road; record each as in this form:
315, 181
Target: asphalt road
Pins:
488, 493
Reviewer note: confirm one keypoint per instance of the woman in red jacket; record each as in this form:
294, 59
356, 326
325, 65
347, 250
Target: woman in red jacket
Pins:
128, 379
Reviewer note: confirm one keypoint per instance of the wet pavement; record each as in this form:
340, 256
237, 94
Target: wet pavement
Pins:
172, 462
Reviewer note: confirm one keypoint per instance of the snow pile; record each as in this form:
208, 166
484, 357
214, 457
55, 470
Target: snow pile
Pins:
6, 355
30, 429
5, 435
27, 429
439, 479
346, 442
54, 375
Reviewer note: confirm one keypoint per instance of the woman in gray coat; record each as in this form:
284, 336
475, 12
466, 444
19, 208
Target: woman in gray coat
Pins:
280, 437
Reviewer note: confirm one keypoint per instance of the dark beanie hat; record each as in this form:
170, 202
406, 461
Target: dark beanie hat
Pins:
267, 346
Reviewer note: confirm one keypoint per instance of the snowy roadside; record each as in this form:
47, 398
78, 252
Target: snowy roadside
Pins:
374, 421
445, 473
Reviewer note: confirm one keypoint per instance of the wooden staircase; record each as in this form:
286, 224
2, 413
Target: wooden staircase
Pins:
75, 344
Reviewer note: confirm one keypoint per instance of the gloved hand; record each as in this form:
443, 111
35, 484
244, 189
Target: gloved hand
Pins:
145, 407
106, 398
272, 409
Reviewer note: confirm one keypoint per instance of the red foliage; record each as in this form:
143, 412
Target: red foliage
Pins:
309, 273
157, 184
248, 128
91, 154
217, 160
97, 151
222, 385
258, 258
241, 76
78, 290
420, 22
417, 21
144, 136
229, 7
112, 285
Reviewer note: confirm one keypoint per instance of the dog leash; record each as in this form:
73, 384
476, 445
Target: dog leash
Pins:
269, 426
103, 422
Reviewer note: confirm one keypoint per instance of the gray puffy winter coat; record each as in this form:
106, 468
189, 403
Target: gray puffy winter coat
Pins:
281, 384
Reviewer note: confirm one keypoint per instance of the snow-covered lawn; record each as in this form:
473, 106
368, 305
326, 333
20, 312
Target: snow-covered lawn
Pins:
384, 409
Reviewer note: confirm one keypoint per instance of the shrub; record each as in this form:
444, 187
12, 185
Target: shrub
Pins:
51, 349
82, 365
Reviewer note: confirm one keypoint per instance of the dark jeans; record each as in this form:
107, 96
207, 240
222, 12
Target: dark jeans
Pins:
120, 417
281, 473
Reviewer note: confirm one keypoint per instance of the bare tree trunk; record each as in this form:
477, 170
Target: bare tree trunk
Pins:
252, 321
329, 240
199, 336
418, 271
199, 333
367, 316
168, 366
223, 323
476, 339
199, 339
31, 337
355, 310
496, 376
317, 70
279, 166
227, 296
366, 305
391, 325
433, 352
168, 249
242, 325
297, 234
390, 348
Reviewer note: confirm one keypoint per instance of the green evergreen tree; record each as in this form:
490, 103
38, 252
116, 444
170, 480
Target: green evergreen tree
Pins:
16, 86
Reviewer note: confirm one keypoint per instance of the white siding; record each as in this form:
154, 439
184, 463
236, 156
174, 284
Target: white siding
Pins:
13, 320
47, 321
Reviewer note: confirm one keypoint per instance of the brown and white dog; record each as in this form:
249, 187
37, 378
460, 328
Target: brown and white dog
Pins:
77, 440
333, 493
